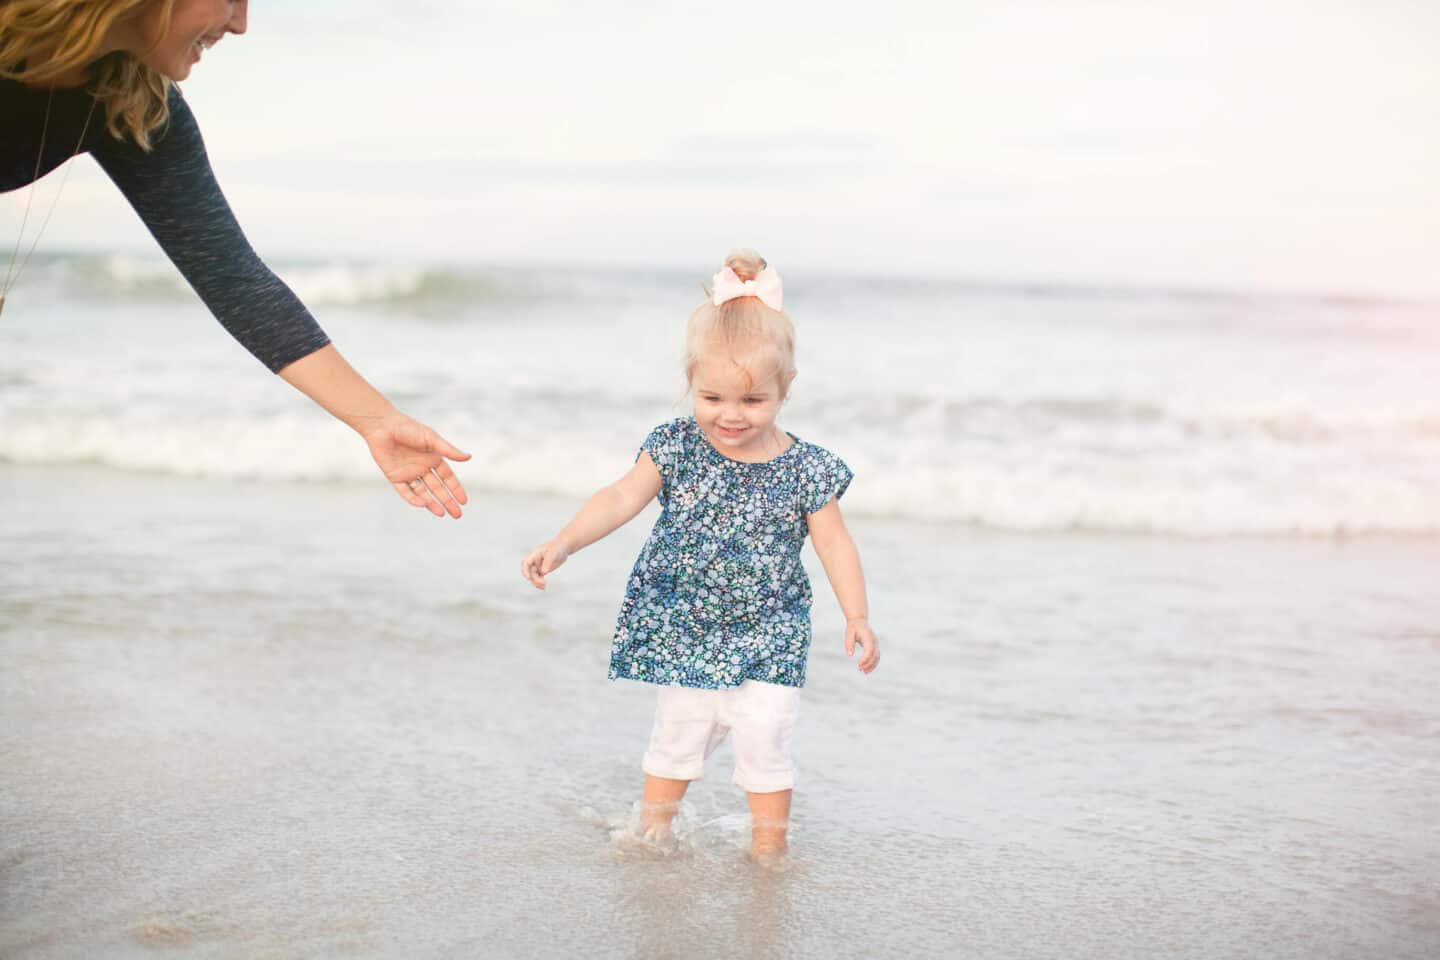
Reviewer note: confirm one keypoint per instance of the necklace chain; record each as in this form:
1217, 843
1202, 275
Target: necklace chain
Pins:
12, 273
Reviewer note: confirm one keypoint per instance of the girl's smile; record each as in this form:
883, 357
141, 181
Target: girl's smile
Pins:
737, 415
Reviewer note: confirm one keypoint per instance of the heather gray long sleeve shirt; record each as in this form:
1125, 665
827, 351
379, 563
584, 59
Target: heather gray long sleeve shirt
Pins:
174, 191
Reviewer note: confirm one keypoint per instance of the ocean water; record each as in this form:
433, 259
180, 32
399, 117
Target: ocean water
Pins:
1155, 577
1014, 408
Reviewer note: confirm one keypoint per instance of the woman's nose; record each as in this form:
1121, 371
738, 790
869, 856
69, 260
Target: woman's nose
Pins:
239, 17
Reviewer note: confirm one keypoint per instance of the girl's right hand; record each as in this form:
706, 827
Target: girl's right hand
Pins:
542, 560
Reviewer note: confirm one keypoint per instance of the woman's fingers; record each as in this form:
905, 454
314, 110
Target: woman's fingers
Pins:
440, 494
448, 450
413, 495
420, 487
452, 482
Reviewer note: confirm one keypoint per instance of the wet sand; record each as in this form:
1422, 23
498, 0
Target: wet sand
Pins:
296, 720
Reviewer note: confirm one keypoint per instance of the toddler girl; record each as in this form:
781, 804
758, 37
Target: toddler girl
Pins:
717, 608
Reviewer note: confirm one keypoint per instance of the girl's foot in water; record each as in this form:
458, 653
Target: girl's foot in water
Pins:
768, 846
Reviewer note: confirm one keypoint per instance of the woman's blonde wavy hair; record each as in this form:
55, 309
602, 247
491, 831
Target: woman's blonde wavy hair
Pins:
44, 39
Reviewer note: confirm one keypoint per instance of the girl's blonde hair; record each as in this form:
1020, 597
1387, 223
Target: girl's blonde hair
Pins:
756, 338
41, 40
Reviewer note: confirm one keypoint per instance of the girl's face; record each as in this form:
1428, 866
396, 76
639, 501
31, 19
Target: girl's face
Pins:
737, 417
195, 26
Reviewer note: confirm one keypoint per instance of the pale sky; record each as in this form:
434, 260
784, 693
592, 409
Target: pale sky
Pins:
1254, 145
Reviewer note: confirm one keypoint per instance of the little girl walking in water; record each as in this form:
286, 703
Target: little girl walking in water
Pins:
717, 607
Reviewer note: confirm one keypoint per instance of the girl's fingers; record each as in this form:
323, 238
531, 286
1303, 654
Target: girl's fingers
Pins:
872, 657
869, 650
532, 568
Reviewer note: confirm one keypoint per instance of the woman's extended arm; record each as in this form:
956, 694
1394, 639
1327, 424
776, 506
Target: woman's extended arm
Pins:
174, 191
607, 510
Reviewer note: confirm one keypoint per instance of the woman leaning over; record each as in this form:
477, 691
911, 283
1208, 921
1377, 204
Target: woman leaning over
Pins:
99, 76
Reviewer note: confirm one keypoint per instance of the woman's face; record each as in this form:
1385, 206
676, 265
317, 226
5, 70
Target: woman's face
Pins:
195, 26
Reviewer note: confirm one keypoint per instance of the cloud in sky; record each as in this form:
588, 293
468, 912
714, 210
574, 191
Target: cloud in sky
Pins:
1268, 145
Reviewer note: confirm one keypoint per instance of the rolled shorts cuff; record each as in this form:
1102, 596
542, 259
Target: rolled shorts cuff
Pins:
764, 784
657, 766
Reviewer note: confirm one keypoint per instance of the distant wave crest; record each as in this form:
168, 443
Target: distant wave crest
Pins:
116, 277
1070, 467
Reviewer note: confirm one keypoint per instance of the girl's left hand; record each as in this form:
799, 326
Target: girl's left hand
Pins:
858, 632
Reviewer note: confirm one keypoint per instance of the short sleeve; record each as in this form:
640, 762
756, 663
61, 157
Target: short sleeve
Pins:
666, 446
823, 477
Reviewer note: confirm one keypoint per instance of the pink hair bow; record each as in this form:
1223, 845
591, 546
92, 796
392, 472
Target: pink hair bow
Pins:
766, 286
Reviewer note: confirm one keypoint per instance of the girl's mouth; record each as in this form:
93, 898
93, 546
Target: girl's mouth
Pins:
729, 431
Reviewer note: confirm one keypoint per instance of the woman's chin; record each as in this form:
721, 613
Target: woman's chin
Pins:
176, 72
179, 67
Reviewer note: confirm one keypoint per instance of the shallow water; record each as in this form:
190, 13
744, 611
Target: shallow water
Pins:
279, 719
1014, 408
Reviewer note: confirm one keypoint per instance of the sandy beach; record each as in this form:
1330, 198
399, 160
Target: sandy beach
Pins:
1154, 574
1125, 317
226, 732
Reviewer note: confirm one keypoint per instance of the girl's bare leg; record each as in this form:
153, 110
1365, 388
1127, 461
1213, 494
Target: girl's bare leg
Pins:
658, 802
769, 822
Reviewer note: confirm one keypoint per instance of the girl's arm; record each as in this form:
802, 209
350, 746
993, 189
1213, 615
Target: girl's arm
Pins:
609, 509
842, 566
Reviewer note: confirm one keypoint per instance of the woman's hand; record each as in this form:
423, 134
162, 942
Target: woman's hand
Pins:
410, 454
412, 457
543, 560
858, 632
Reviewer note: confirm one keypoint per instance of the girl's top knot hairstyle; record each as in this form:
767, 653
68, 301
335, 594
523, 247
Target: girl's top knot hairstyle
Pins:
746, 326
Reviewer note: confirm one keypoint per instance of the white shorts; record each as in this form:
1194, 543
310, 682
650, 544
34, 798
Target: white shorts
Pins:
691, 723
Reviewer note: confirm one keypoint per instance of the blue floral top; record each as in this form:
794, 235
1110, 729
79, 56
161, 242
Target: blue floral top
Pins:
718, 595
